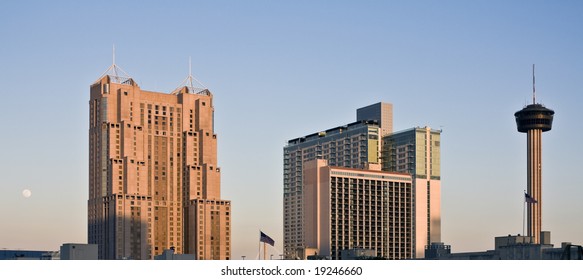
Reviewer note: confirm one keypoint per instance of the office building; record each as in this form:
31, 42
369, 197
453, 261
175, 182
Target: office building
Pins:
154, 179
417, 152
348, 208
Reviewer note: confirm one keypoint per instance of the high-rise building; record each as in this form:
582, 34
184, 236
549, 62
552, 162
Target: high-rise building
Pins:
368, 145
417, 152
154, 180
355, 145
349, 208
534, 119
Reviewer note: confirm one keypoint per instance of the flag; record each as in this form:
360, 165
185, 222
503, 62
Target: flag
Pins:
529, 198
266, 239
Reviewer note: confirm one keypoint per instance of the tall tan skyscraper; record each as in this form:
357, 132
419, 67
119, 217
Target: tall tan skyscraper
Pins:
154, 182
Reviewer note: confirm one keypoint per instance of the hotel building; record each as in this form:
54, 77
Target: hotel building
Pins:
347, 208
355, 145
154, 180
368, 145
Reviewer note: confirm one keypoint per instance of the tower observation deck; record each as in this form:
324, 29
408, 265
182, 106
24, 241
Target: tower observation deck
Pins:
534, 116
534, 119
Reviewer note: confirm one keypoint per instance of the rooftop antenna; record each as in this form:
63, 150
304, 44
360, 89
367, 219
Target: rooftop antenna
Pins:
190, 77
113, 61
190, 70
533, 90
117, 74
189, 82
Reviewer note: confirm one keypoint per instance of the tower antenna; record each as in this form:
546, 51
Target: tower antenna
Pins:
190, 71
533, 90
113, 61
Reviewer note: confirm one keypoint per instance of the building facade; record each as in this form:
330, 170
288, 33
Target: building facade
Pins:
417, 152
348, 208
154, 180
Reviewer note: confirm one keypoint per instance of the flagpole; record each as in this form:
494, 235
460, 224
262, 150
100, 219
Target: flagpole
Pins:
259, 251
264, 251
523, 211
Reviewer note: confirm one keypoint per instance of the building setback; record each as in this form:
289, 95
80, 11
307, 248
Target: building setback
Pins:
154, 182
347, 208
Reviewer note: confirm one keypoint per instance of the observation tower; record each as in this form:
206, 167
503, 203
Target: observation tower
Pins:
534, 119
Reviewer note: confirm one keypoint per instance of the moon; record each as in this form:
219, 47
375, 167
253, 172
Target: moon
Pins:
26, 193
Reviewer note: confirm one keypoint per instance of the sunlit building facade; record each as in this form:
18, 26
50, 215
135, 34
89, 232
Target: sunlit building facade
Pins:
349, 208
154, 180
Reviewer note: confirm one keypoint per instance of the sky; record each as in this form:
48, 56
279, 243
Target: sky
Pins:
281, 70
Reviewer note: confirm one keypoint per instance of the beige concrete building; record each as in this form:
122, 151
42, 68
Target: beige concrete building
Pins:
347, 208
154, 180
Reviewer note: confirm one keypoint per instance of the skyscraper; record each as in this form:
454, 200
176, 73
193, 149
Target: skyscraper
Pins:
154, 181
534, 119
417, 151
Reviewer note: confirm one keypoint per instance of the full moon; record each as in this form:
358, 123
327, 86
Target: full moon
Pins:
26, 193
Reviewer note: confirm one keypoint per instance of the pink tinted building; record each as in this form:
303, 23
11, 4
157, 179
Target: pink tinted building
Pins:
348, 208
154, 180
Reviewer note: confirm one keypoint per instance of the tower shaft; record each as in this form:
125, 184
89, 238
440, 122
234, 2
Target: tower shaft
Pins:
534, 181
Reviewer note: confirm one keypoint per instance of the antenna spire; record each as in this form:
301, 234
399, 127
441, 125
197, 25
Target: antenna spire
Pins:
189, 82
190, 71
533, 89
113, 60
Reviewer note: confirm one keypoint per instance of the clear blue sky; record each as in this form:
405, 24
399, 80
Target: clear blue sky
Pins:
281, 70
